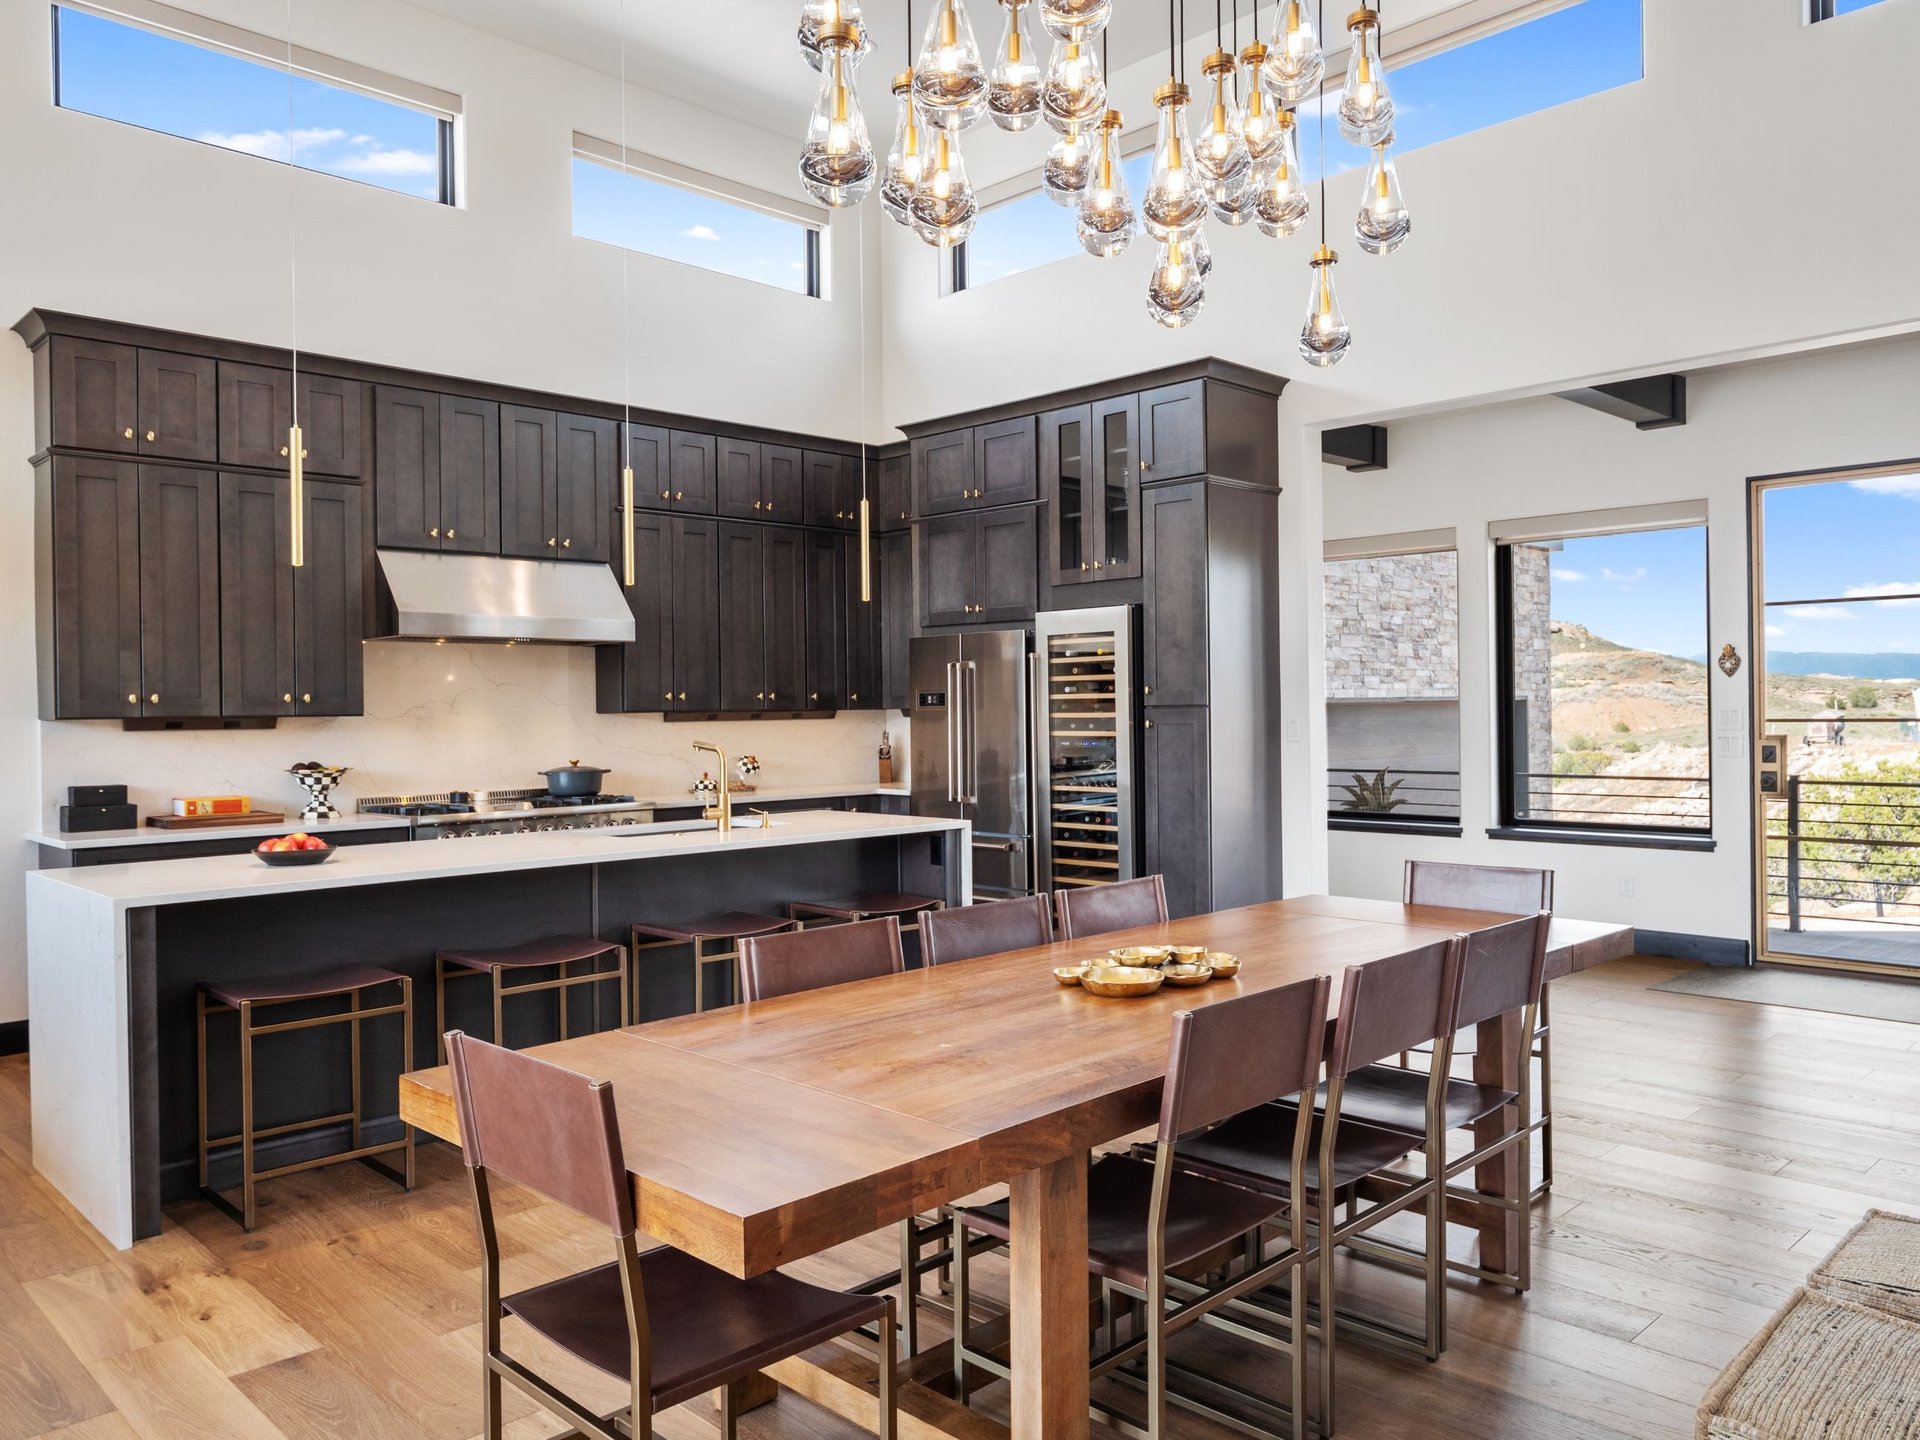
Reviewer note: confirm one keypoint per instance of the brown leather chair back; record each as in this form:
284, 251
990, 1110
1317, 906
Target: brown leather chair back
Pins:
1237, 1054
965, 932
1503, 969
550, 1129
794, 960
1123, 905
1508, 890
1391, 1005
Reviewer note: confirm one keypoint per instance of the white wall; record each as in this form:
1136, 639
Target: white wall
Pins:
1826, 410
104, 219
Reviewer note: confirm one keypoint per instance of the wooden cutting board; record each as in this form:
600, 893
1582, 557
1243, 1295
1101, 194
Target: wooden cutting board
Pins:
214, 822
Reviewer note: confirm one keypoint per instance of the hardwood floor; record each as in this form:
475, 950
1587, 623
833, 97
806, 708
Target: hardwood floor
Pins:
1708, 1153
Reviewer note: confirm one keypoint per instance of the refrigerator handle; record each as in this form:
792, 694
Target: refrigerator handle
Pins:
970, 740
1039, 773
953, 756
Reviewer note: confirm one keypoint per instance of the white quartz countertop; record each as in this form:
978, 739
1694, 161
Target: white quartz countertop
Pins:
147, 835
226, 877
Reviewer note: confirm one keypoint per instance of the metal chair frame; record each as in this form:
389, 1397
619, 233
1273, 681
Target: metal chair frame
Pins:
443, 972
702, 958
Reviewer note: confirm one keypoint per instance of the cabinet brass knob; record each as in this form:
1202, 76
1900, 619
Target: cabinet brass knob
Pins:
133, 699
306, 699
1143, 464
683, 695
666, 494
434, 532
287, 699
449, 534
1083, 564
151, 437
813, 695
855, 696
567, 544
679, 494
1096, 564
283, 452
759, 696
552, 540
153, 699
1146, 689
667, 696
1149, 724
128, 434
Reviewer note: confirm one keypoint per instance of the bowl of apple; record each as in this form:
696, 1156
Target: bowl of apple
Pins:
296, 849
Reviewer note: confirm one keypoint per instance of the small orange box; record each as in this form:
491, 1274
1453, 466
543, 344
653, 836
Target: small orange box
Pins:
198, 805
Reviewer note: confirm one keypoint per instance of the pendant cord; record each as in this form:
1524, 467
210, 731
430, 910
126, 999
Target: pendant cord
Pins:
293, 230
1322, 98
909, 34
626, 270
1173, 63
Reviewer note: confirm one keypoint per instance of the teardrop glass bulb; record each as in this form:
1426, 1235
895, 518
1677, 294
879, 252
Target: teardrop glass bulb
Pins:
815, 13
1282, 202
1366, 105
837, 163
1243, 204
1293, 66
906, 160
1106, 222
1324, 338
1176, 289
1075, 19
1221, 155
944, 208
1068, 167
1075, 92
1258, 127
949, 82
1383, 224
1013, 85
1175, 203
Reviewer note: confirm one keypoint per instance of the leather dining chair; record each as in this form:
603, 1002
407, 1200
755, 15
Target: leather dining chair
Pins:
1386, 1006
1509, 890
966, 932
1148, 1218
668, 1326
1123, 905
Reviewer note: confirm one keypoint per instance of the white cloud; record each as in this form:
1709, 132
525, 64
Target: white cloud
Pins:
1907, 487
1622, 578
701, 232
1822, 612
1775, 632
1906, 589
272, 144
389, 162
1571, 577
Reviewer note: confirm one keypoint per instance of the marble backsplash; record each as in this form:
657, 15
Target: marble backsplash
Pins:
445, 716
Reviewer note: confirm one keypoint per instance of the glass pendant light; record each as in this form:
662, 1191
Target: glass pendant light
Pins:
815, 13
1243, 204
1013, 87
944, 207
1106, 209
905, 161
1324, 338
1075, 19
1258, 127
837, 164
1221, 156
1366, 108
1293, 64
1282, 203
1383, 223
1068, 167
1199, 252
949, 83
1075, 93
1175, 204
1176, 289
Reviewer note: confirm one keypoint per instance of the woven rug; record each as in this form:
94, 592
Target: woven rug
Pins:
1822, 1369
1836, 994
1877, 1265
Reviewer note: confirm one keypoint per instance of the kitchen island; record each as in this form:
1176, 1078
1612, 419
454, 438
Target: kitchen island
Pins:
115, 953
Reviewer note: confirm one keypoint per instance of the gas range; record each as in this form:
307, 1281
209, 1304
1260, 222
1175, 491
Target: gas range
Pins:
454, 814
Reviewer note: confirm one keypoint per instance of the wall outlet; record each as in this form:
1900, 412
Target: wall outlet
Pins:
1293, 732
1626, 887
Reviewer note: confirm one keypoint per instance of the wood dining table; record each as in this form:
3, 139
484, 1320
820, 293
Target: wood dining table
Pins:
767, 1132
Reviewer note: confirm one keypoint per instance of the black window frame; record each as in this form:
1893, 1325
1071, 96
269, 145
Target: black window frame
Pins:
1508, 767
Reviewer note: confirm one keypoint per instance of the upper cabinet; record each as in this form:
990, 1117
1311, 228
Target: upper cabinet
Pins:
890, 483
979, 569
672, 469
92, 395
179, 406
330, 425
1173, 432
832, 489
991, 464
1091, 481
436, 471
760, 482
558, 475
256, 414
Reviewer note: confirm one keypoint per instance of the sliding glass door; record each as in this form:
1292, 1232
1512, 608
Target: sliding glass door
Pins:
1836, 682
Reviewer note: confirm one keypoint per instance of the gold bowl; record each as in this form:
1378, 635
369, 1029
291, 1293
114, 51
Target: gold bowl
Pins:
1070, 974
1138, 955
1122, 981
1186, 975
1224, 965
1187, 954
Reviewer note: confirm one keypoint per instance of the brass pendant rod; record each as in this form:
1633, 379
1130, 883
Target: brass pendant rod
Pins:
297, 493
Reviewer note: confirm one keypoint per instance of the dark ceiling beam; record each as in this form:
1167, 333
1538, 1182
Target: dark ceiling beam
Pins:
1652, 402
1355, 447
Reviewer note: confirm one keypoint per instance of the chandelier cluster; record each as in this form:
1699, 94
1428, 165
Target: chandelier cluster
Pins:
1245, 168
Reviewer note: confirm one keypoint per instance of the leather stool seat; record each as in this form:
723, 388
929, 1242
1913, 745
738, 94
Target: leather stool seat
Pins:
553, 950
1253, 1148
733, 925
1396, 1099
872, 902
310, 985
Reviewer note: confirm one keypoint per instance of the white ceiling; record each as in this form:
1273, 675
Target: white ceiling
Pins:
739, 56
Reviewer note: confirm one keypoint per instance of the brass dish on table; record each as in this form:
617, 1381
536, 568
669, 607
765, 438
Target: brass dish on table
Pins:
1141, 955
1223, 965
1070, 974
1187, 975
1119, 982
1187, 954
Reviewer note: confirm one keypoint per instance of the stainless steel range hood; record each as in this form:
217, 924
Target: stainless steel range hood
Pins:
489, 597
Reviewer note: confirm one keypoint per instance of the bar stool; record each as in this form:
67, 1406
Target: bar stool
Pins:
246, 997
733, 927
869, 905
555, 952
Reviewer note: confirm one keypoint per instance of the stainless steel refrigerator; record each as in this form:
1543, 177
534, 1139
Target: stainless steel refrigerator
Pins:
970, 704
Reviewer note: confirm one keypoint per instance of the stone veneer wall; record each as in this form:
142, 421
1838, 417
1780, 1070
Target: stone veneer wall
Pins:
1393, 630
1533, 659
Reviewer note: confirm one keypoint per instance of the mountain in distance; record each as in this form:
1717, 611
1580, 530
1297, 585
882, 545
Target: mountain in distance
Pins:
1865, 665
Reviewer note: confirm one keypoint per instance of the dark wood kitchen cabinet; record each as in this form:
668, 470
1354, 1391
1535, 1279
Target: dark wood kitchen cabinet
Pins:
673, 662
179, 406
890, 482
92, 395
760, 482
179, 592
1091, 482
588, 487
436, 471
330, 424
1173, 628
672, 469
894, 563
256, 413
1173, 431
291, 638
869, 624
832, 488
980, 568
763, 599
558, 476
783, 478
991, 464
829, 620
943, 472
1177, 842
469, 476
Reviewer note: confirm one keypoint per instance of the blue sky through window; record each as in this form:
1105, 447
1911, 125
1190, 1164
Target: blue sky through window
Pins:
1647, 590
1847, 542
1582, 50
121, 72
654, 218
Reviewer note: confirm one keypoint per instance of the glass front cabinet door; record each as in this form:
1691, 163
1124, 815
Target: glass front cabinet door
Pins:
1090, 472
